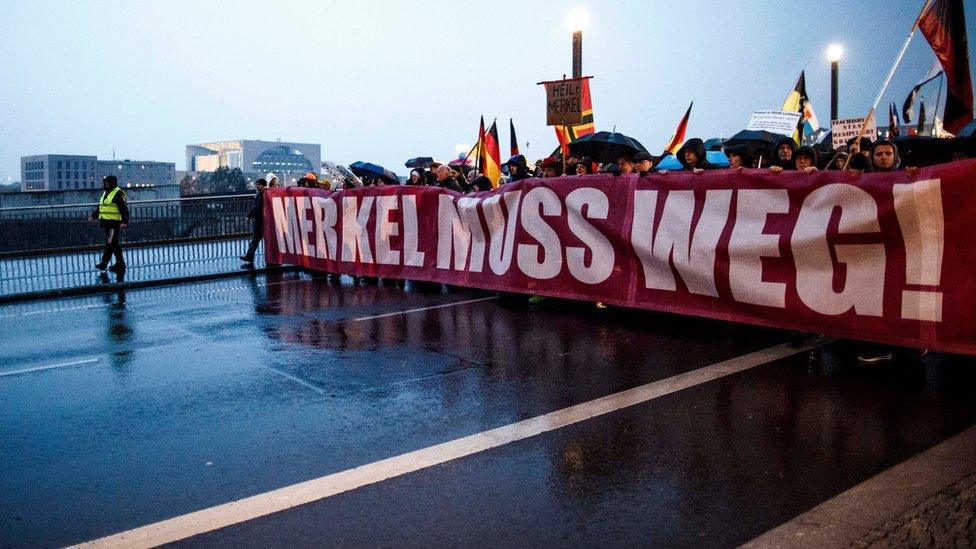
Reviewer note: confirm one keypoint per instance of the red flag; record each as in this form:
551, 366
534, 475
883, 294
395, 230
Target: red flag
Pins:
678, 137
944, 26
513, 148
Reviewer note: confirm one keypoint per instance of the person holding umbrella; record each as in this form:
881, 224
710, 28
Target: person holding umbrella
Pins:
644, 163
416, 177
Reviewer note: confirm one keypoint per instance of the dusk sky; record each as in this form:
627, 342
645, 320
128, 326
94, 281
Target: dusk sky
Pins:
385, 81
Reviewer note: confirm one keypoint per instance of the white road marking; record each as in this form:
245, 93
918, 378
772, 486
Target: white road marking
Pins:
51, 367
298, 380
221, 516
29, 313
843, 520
408, 311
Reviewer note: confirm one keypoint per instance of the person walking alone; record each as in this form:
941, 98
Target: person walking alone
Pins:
256, 215
112, 214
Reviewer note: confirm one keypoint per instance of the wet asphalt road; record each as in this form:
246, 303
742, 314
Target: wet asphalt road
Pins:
169, 400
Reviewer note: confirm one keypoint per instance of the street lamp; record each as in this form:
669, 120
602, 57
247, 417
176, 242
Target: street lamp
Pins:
834, 51
575, 21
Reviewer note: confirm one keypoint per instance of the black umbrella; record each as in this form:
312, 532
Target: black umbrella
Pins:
365, 169
605, 146
756, 143
920, 150
420, 162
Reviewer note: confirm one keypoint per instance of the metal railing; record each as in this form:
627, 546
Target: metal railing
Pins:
58, 229
56, 247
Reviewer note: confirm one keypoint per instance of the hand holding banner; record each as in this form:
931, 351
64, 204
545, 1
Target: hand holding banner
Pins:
881, 257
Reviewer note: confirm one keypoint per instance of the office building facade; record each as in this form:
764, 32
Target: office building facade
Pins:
254, 156
62, 172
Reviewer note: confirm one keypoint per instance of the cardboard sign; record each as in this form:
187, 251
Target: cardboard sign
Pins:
781, 122
564, 102
845, 128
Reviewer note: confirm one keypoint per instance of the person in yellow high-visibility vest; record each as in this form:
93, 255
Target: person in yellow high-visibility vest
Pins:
112, 214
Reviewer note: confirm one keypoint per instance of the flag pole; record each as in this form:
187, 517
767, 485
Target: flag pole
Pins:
938, 98
891, 73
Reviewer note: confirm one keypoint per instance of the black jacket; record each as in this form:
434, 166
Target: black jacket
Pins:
791, 163
257, 207
698, 146
119, 201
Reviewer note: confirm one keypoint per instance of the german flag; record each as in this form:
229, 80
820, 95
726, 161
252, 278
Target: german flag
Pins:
565, 134
678, 137
490, 160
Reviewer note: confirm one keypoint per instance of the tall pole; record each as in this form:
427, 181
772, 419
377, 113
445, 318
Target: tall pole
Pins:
833, 89
577, 54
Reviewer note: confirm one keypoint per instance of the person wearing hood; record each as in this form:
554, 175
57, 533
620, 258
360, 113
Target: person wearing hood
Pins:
884, 157
480, 184
272, 179
518, 168
112, 214
804, 160
738, 158
692, 156
783, 154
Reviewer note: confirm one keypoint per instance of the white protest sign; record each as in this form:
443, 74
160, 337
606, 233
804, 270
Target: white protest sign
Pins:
845, 128
781, 122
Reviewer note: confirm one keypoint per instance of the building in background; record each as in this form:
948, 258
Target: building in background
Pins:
63, 172
255, 158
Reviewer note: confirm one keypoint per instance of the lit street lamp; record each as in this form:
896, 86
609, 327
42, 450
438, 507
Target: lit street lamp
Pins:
834, 51
576, 20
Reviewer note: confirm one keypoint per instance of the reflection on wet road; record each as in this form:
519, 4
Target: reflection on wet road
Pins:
130, 408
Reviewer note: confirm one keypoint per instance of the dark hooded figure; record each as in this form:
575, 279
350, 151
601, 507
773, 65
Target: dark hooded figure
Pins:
479, 184
518, 168
783, 154
692, 156
739, 157
884, 157
806, 159
861, 151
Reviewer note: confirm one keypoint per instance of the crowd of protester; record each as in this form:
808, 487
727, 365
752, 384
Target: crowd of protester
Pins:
857, 156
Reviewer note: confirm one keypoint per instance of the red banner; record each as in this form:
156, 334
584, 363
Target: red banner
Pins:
881, 257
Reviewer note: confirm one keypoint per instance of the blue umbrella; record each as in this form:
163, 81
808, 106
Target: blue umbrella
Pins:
366, 169
717, 158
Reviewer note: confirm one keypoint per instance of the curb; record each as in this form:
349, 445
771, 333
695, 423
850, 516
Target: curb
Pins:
121, 286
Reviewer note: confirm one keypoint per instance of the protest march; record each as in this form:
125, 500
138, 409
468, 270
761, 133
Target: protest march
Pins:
851, 231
